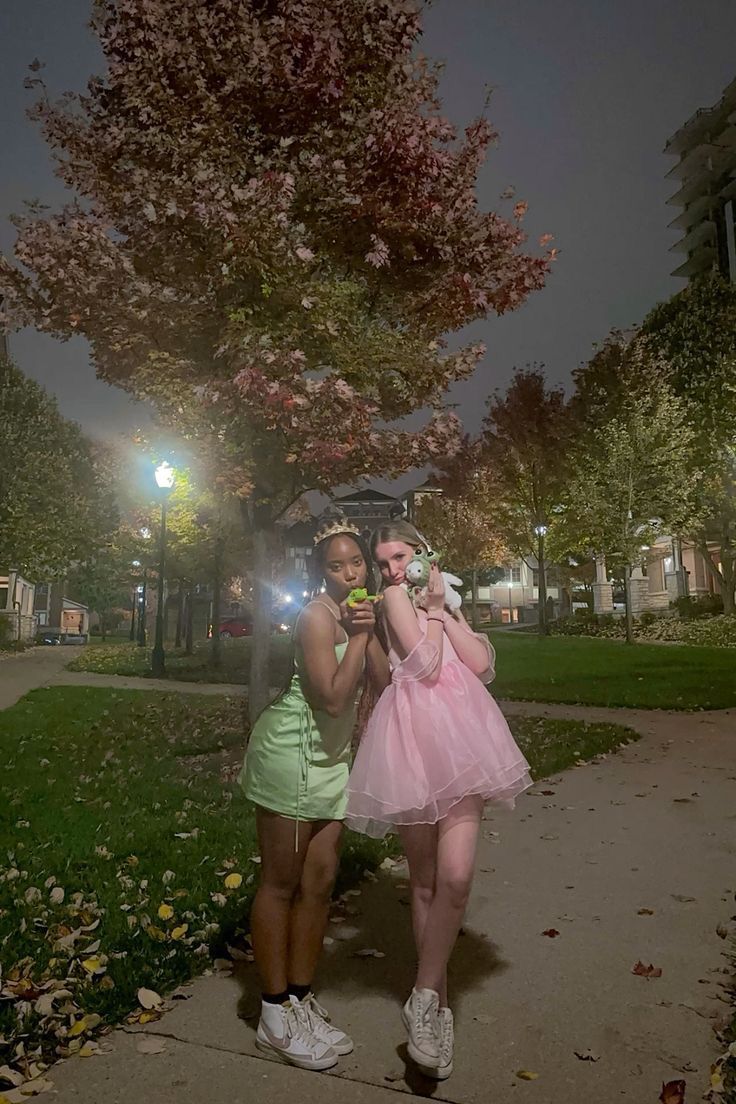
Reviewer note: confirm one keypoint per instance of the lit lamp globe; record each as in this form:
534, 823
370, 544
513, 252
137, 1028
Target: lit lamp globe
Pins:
165, 476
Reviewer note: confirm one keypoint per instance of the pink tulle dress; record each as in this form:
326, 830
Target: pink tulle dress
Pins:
427, 745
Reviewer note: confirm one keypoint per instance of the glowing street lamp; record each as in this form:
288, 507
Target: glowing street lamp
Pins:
165, 476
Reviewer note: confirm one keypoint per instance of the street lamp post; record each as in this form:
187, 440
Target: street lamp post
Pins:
541, 533
165, 480
142, 595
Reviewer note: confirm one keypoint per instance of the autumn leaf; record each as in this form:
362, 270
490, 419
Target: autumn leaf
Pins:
650, 971
165, 912
180, 931
233, 881
148, 998
673, 1092
93, 964
551, 932
527, 1075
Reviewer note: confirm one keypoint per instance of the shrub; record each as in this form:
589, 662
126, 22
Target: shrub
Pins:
691, 607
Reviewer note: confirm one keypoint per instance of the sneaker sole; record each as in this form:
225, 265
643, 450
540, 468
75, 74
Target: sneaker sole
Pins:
318, 1065
437, 1073
423, 1061
343, 1048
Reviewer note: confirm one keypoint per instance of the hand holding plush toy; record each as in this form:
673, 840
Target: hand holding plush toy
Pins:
417, 576
360, 594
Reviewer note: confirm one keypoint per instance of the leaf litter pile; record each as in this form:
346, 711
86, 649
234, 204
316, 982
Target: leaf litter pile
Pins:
127, 859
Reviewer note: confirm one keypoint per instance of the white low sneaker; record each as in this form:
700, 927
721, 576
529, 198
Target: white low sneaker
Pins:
323, 1029
420, 1017
285, 1032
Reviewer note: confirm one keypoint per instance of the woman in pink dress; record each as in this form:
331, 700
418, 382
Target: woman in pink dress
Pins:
435, 749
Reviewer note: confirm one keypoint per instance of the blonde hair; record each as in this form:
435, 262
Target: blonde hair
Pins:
397, 531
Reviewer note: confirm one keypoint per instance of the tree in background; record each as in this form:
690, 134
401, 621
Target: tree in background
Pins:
273, 230
635, 472
694, 334
526, 445
462, 522
56, 503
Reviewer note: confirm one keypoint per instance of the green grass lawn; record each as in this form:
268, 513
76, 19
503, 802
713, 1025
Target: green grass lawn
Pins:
119, 825
129, 659
608, 672
554, 669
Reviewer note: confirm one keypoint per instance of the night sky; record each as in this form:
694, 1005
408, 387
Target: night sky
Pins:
586, 92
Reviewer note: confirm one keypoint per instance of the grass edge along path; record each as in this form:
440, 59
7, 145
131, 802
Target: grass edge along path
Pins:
569, 670
129, 857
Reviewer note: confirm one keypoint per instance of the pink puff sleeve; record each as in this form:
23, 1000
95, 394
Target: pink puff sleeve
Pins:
490, 672
420, 663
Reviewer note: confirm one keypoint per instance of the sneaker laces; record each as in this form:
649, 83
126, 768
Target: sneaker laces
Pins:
424, 1028
315, 1009
299, 1024
446, 1033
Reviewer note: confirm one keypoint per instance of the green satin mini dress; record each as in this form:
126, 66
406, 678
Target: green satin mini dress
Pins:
298, 758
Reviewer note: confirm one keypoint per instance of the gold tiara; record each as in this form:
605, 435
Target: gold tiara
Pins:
333, 528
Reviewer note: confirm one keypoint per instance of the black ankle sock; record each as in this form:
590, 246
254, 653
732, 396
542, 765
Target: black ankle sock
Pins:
299, 991
275, 998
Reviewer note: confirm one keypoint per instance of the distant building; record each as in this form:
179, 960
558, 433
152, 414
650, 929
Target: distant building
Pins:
706, 177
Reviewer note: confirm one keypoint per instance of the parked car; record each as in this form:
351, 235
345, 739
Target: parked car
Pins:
58, 636
242, 625
235, 626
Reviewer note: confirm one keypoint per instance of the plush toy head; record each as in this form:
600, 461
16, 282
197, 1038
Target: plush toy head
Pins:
418, 568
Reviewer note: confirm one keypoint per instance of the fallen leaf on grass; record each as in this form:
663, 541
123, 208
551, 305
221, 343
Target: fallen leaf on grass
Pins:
150, 1044
650, 971
551, 932
148, 998
527, 1075
165, 912
673, 1092
587, 1056
233, 881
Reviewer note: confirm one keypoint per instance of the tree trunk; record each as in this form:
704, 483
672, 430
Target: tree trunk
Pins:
179, 614
474, 599
132, 617
261, 639
542, 587
103, 627
629, 613
189, 637
216, 645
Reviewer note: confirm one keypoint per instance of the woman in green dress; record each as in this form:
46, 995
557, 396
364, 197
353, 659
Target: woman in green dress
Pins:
296, 770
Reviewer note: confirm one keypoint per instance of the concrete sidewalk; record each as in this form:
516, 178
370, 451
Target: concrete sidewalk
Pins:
630, 858
21, 672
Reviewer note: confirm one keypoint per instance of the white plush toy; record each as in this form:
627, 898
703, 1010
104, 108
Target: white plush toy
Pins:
453, 600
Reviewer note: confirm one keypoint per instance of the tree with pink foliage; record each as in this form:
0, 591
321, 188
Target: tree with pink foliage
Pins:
273, 228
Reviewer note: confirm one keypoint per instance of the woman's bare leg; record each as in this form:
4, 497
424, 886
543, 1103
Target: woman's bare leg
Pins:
310, 910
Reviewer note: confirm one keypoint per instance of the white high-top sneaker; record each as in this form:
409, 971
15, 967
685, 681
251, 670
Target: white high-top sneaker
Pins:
419, 1015
323, 1029
285, 1032
447, 1044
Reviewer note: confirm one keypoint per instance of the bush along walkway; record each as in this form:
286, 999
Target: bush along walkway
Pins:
129, 857
593, 964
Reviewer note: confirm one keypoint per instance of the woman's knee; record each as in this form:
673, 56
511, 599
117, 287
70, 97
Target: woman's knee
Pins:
318, 879
455, 888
